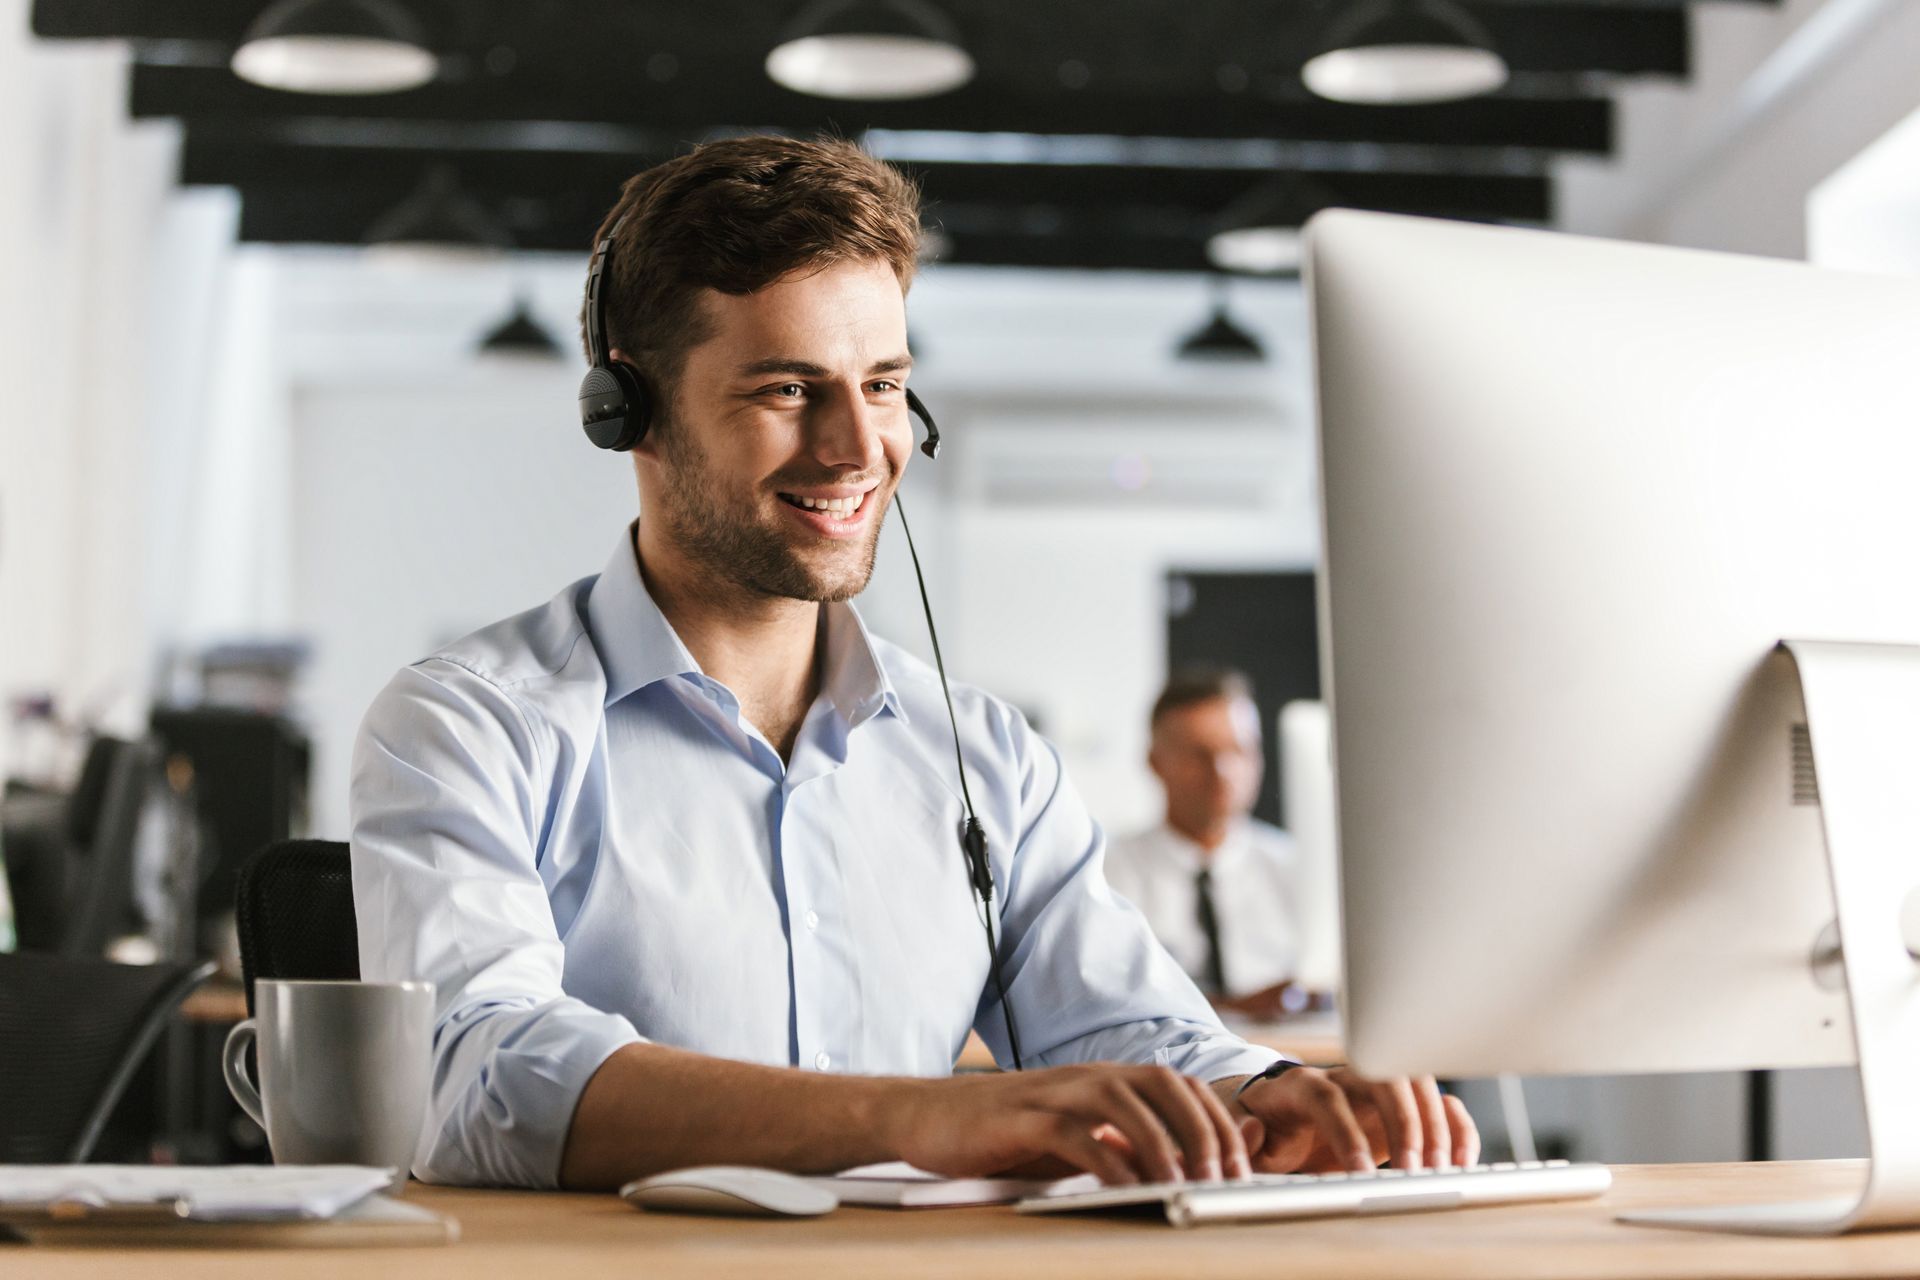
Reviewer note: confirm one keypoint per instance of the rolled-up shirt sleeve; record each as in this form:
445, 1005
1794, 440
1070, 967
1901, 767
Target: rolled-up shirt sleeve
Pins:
1087, 979
448, 793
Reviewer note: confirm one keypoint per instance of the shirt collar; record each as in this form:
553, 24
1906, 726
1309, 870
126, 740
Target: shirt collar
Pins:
856, 681
1186, 852
636, 643
639, 647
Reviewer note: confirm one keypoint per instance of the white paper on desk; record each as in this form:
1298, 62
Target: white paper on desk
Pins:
212, 1193
901, 1186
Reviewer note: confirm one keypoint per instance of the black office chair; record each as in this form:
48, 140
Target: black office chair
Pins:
73, 1031
103, 821
33, 844
294, 912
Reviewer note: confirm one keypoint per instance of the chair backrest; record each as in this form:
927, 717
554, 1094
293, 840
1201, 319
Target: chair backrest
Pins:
103, 823
33, 845
294, 912
72, 1032
250, 774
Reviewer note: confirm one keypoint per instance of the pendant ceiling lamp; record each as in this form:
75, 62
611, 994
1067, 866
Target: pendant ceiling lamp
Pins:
1264, 250
520, 336
1382, 52
335, 46
1259, 234
871, 50
439, 221
1220, 339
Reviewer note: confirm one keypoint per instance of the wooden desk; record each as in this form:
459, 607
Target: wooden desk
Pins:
1313, 1039
216, 1002
580, 1237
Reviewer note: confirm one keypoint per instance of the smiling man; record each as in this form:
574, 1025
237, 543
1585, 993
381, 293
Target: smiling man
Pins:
681, 848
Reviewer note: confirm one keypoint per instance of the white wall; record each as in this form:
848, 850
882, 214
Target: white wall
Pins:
1866, 217
81, 191
422, 512
1781, 97
1064, 613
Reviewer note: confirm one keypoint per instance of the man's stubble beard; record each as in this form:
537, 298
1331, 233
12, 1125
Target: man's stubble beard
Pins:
734, 546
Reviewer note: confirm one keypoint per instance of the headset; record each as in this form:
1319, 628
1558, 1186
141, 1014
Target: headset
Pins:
615, 411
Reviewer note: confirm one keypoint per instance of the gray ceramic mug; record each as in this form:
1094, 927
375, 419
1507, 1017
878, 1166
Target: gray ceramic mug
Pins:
344, 1069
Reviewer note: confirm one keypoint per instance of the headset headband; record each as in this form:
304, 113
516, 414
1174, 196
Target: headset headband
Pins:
597, 349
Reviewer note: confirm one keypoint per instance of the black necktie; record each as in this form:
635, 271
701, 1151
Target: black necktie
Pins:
1210, 926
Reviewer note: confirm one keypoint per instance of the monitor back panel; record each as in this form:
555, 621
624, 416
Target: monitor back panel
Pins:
1574, 493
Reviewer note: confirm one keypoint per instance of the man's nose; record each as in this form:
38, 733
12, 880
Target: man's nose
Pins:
847, 431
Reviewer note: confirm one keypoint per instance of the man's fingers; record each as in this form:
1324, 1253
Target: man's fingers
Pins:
1069, 1138
1328, 1104
1168, 1093
1466, 1134
1433, 1118
1400, 1115
1253, 1133
1112, 1099
1234, 1160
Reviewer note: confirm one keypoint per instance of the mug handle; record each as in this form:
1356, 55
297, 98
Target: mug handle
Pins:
233, 1064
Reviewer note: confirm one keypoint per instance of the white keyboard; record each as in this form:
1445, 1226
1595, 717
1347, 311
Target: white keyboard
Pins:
1273, 1197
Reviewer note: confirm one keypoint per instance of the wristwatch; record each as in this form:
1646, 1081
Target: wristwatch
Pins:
1273, 1072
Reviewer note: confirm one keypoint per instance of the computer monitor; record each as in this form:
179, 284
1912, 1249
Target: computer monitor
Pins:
1575, 496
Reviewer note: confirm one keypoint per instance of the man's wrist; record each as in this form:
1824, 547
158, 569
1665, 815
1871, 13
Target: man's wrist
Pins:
1273, 1072
1227, 1089
887, 1109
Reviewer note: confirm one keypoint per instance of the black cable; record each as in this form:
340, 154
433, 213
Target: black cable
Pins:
974, 842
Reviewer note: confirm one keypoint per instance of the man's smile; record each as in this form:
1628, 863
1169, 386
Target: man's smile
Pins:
837, 511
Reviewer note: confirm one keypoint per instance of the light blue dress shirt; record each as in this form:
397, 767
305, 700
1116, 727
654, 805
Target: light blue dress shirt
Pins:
570, 830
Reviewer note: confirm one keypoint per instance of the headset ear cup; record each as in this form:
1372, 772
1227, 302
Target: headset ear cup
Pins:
615, 409
639, 404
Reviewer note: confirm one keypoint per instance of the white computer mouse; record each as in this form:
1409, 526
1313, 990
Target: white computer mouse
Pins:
732, 1189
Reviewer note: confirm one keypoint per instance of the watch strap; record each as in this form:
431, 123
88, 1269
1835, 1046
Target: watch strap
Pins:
1273, 1072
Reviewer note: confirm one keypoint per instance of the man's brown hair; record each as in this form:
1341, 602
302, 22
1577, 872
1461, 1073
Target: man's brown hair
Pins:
1200, 684
736, 215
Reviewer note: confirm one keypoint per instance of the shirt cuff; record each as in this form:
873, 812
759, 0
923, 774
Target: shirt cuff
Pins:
1216, 1057
509, 1125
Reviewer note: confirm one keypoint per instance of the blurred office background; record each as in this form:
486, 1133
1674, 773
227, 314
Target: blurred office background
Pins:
288, 375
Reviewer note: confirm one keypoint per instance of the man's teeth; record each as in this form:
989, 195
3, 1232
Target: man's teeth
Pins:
833, 506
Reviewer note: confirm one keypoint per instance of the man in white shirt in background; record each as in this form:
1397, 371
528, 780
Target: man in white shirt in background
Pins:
1215, 883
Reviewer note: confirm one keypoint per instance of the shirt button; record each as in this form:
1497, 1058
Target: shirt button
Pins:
822, 1060
813, 920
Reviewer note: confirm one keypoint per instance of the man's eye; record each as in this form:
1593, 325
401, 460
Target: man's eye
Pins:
885, 384
790, 389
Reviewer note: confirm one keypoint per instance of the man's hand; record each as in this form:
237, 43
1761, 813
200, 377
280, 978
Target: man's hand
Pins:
1127, 1124
1316, 1121
1269, 1004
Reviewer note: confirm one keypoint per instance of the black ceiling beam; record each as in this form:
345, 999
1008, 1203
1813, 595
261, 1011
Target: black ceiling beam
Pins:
1129, 45
222, 158
1085, 251
687, 111
1072, 240
1501, 197
1139, 236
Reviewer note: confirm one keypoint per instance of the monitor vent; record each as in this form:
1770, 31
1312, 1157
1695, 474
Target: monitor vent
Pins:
1806, 784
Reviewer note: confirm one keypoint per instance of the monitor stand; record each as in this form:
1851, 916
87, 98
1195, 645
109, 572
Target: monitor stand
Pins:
1863, 716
